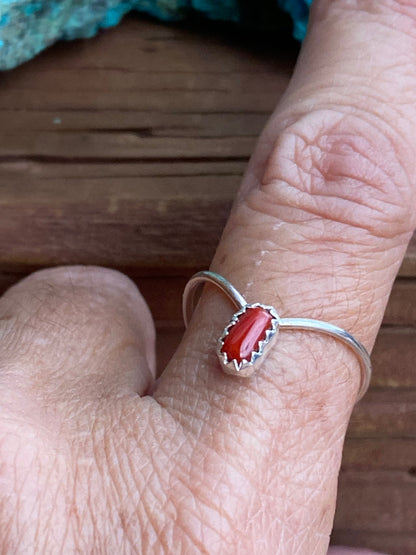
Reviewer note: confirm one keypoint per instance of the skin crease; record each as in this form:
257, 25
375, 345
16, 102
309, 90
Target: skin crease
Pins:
208, 463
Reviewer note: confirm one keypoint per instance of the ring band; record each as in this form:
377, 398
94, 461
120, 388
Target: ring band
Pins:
250, 332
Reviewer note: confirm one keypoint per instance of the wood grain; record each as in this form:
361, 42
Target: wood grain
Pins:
408, 267
394, 543
401, 308
394, 358
385, 413
364, 505
387, 454
141, 223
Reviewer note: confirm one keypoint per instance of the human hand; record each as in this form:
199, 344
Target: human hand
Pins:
209, 463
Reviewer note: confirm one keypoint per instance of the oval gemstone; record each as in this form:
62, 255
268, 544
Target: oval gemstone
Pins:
244, 337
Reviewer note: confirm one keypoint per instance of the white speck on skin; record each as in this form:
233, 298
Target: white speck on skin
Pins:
57, 121
259, 261
257, 264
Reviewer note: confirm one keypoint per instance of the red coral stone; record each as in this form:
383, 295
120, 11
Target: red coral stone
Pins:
243, 338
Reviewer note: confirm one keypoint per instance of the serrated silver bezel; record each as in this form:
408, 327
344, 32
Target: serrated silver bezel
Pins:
246, 368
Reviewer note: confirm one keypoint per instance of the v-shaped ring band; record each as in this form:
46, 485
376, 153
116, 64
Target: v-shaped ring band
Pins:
249, 335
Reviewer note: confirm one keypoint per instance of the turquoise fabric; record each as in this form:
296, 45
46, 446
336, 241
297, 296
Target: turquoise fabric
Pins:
29, 26
299, 10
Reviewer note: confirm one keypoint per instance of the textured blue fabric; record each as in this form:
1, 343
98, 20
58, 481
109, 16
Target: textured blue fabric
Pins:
29, 26
299, 10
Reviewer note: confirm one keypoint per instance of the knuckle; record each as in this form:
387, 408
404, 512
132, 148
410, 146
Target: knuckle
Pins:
346, 168
72, 302
73, 279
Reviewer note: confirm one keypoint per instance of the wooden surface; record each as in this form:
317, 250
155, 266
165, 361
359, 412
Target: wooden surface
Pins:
126, 151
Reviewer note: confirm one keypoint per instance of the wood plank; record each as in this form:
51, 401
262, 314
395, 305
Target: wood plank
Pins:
394, 544
385, 414
93, 78
377, 502
394, 358
101, 222
145, 123
122, 145
178, 48
408, 268
161, 68
199, 91
401, 308
21, 170
126, 135
380, 454
188, 101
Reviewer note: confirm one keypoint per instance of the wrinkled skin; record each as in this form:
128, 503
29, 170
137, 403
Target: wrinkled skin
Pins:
209, 464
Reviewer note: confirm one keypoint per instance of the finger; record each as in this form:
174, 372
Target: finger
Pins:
325, 210
319, 231
76, 333
324, 215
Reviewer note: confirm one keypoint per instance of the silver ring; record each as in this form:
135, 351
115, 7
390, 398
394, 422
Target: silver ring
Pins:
250, 332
